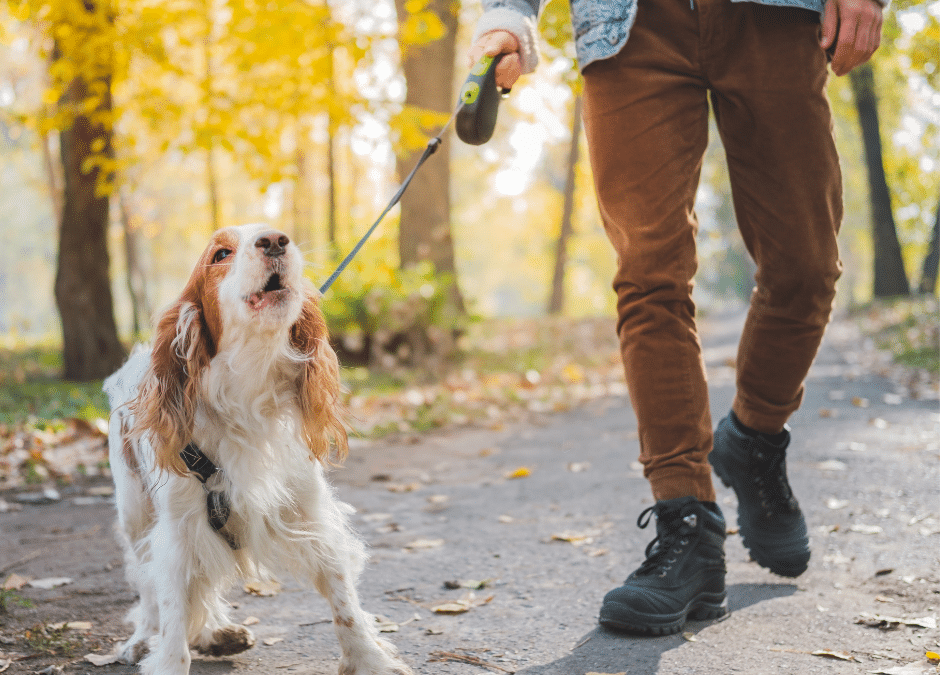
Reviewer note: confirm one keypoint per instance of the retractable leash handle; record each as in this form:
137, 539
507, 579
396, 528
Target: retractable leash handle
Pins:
475, 119
479, 100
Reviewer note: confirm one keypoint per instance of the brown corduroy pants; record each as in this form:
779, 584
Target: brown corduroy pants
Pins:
646, 119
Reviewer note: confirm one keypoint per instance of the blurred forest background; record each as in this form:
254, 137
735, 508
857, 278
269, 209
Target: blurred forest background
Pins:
131, 129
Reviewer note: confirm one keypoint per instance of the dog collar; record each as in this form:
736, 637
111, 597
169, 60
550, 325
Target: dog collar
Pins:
217, 504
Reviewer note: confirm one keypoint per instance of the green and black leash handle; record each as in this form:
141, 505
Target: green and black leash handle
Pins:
475, 120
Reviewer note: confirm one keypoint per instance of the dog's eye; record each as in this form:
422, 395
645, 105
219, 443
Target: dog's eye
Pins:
221, 255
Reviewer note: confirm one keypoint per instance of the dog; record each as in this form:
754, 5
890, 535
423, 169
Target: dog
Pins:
217, 440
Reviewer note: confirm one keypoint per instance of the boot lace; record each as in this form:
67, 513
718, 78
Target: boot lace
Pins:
769, 474
672, 536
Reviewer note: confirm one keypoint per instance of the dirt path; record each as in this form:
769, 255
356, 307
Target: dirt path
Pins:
864, 465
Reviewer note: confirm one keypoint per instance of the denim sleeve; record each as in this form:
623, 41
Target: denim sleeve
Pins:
519, 17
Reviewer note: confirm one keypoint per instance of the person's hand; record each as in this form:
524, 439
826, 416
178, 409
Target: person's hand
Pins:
492, 44
852, 30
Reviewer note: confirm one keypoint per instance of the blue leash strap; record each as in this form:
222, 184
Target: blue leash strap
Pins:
431, 148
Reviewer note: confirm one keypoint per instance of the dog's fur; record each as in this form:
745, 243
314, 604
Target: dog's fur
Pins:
241, 366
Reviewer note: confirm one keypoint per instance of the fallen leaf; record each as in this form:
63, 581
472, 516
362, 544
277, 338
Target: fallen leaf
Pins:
101, 659
438, 499
597, 552
51, 582
472, 584
859, 402
826, 413
890, 622
836, 395
689, 637
832, 465
833, 503
433, 631
521, 472
506, 519
71, 625
878, 423
273, 641
576, 538
404, 487
15, 582
264, 589
867, 529
893, 399
464, 604
829, 653
924, 667
578, 467
932, 656
251, 621
385, 625
422, 544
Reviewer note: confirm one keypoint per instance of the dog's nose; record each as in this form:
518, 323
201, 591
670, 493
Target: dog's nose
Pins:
272, 243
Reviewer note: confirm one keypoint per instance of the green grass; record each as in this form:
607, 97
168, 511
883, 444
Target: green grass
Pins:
31, 391
908, 327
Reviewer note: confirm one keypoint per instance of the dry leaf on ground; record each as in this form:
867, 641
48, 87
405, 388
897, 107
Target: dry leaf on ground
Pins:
521, 472
101, 659
831, 654
251, 621
15, 582
71, 625
273, 641
464, 604
924, 667
50, 582
891, 622
576, 538
423, 544
264, 589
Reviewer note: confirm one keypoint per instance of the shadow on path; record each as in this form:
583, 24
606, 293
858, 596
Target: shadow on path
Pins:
604, 651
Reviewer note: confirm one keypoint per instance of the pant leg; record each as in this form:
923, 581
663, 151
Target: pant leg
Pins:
769, 98
646, 120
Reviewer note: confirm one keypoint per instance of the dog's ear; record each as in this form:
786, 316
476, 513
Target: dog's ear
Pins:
166, 404
318, 383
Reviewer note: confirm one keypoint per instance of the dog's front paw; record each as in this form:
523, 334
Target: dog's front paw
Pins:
225, 641
131, 652
381, 661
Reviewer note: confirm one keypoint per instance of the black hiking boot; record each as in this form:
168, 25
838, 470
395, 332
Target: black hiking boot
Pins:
683, 576
769, 517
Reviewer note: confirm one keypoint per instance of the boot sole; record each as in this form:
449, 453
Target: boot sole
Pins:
705, 606
794, 565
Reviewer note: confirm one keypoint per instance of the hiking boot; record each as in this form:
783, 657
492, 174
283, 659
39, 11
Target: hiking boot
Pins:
683, 576
769, 517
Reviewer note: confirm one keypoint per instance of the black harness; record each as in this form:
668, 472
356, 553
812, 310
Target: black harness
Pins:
217, 503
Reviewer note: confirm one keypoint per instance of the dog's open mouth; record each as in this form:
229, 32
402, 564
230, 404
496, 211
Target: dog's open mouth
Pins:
273, 292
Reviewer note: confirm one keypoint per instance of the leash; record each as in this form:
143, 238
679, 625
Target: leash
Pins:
476, 117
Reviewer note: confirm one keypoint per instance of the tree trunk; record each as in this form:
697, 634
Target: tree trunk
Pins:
928, 275
890, 277
425, 229
91, 348
556, 301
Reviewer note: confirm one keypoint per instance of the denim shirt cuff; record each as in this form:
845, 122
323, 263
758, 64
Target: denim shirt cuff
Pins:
521, 26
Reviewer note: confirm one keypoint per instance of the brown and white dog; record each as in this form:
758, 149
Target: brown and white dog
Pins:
241, 374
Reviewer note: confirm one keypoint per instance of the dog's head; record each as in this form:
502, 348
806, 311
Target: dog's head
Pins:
247, 295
